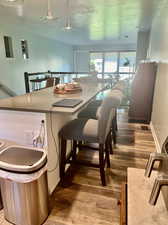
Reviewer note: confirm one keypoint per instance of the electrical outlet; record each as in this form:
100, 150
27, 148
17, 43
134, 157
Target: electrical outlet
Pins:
28, 136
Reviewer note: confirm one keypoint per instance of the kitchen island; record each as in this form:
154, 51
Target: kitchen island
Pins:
21, 116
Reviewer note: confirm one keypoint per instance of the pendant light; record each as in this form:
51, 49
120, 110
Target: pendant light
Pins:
49, 15
68, 25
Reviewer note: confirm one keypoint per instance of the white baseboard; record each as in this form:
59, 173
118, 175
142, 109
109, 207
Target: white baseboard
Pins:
158, 148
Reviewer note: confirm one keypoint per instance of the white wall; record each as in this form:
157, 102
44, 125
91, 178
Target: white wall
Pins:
158, 50
81, 60
158, 40
45, 54
82, 53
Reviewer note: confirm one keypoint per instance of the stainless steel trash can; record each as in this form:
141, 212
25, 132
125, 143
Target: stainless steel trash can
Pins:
1, 145
1, 205
24, 194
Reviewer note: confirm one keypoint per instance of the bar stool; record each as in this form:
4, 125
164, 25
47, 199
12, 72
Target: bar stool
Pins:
89, 130
120, 85
92, 107
93, 112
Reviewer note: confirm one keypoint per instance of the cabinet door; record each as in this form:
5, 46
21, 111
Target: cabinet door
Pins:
123, 205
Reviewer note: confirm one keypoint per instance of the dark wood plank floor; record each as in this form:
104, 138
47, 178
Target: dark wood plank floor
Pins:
84, 201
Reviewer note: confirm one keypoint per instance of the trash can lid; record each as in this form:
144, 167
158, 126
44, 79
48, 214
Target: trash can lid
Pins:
22, 159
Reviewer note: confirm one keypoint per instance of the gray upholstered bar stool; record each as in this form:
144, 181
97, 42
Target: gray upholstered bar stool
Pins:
120, 85
93, 113
89, 130
91, 110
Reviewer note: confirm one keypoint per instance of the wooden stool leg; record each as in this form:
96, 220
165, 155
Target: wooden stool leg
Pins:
80, 143
102, 164
74, 150
107, 154
115, 121
114, 133
63, 158
109, 140
114, 138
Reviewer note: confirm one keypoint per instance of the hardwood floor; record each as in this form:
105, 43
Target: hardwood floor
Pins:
84, 201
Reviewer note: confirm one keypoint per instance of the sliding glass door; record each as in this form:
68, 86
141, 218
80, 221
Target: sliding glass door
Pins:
110, 64
97, 63
113, 66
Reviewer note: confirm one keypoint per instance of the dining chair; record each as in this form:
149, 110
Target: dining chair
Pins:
89, 130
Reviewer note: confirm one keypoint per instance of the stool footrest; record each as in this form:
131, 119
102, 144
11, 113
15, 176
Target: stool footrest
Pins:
81, 162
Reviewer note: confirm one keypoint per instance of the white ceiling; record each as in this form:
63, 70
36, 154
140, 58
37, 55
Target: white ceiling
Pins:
93, 21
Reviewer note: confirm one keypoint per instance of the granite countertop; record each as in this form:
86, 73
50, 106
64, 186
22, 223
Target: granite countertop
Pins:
140, 212
41, 101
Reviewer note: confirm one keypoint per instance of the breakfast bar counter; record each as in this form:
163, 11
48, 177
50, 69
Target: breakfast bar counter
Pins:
42, 100
21, 121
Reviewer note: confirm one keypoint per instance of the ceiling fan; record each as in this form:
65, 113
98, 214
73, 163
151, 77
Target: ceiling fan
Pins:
11, 3
17, 4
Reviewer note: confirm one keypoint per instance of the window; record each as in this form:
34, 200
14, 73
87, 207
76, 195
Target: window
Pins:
8, 47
